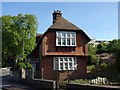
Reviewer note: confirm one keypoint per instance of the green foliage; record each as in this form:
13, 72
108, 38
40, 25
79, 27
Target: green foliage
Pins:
92, 58
102, 47
110, 71
80, 81
114, 46
90, 68
117, 61
22, 65
29, 66
18, 36
91, 49
104, 65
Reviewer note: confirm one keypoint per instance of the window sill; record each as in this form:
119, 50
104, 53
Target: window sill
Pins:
66, 46
64, 70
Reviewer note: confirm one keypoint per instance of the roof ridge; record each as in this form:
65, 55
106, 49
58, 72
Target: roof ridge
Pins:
70, 22
63, 23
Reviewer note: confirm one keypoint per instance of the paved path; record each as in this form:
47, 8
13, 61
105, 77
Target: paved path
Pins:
13, 86
7, 85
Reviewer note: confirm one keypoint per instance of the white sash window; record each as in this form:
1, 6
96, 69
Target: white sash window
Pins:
65, 63
65, 38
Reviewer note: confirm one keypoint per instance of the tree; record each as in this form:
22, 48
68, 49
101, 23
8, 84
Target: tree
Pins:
114, 46
92, 58
18, 36
117, 61
102, 47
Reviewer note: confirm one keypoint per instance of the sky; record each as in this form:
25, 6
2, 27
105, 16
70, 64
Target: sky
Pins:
97, 19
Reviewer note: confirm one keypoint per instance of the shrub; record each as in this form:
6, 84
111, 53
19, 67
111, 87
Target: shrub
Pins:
80, 81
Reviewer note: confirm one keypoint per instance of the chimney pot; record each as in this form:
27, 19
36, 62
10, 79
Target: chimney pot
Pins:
56, 15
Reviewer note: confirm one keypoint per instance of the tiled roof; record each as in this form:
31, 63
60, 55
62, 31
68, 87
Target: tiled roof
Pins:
34, 53
37, 35
62, 23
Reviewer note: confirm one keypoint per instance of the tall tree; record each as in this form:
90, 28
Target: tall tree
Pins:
18, 36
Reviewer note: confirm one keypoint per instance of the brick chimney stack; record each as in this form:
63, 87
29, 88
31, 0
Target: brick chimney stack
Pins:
56, 15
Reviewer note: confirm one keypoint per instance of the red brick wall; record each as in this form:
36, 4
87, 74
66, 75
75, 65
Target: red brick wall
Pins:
49, 46
49, 73
81, 71
49, 50
47, 68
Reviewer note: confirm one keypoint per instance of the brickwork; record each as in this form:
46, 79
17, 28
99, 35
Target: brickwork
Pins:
49, 73
50, 48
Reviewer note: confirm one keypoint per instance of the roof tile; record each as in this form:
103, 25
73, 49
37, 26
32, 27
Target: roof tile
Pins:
62, 23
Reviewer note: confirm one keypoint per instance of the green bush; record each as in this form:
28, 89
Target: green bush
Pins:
80, 81
103, 66
117, 61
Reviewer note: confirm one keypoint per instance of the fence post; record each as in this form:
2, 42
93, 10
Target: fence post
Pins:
57, 81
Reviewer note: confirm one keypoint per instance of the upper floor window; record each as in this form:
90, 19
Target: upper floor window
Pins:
65, 38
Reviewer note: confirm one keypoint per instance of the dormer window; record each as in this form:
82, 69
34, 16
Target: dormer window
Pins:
65, 38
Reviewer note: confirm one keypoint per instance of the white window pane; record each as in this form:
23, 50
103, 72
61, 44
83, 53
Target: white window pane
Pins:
65, 59
74, 60
70, 66
68, 34
65, 38
59, 41
73, 41
68, 41
61, 59
61, 66
72, 34
58, 34
63, 41
63, 34
66, 66
65, 63
70, 59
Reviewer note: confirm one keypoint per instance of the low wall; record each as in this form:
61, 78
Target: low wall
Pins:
91, 87
38, 83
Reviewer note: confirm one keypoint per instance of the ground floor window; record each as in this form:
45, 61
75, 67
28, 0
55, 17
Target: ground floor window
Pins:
65, 63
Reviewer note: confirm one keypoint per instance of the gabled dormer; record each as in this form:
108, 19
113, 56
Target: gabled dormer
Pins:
65, 30
64, 38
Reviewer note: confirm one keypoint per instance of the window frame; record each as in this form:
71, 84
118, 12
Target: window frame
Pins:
65, 63
65, 37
